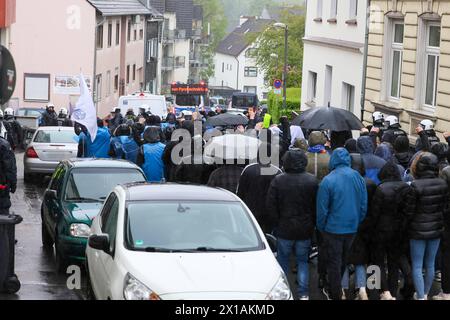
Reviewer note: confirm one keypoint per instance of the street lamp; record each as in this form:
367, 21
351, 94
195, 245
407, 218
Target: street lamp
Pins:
284, 26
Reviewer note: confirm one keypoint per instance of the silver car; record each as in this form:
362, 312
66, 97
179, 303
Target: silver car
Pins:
48, 147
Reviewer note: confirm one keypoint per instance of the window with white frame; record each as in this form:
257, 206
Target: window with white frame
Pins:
334, 7
319, 9
348, 96
431, 63
108, 83
353, 9
250, 72
396, 58
312, 86
98, 87
250, 89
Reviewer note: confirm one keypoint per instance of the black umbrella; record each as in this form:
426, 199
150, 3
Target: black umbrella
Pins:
328, 118
226, 119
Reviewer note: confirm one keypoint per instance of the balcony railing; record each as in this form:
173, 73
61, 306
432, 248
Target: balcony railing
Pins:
171, 35
169, 63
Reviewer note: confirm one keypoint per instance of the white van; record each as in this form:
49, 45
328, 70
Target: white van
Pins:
156, 103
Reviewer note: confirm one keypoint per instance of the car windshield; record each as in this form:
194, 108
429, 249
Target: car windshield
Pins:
187, 100
244, 101
94, 184
190, 227
47, 136
29, 113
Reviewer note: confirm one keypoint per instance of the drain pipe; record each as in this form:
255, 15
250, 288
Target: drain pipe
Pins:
94, 80
366, 51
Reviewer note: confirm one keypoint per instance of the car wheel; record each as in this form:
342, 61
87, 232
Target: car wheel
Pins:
61, 261
47, 241
90, 295
28, 177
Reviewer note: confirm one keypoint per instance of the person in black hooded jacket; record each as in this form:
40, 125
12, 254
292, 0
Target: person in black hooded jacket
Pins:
427, 207
402, 152
254, 185
387, 227
291, 207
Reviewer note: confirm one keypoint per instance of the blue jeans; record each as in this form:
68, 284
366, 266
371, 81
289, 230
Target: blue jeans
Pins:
301, 257
423, 253
360, 277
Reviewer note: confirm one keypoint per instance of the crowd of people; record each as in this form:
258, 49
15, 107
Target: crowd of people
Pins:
370, 201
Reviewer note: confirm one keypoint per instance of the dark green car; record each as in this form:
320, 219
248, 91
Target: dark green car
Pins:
73, 199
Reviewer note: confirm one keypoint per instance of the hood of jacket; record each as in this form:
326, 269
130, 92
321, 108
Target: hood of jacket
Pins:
339, 158
401, 144
384, 151
365, 145
358, 163
350, 145
440, 150
295, 161
425, 166
152, 135
389, 172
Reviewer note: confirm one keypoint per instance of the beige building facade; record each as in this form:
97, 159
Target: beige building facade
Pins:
408, 62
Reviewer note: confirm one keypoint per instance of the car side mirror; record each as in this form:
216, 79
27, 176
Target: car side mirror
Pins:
273, 243
51, 194
100, 242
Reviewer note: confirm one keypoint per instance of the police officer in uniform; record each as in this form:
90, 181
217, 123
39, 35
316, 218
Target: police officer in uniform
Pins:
8, 175
5, 130
427, 136
393, 131
15, 127
63, 118
49, 118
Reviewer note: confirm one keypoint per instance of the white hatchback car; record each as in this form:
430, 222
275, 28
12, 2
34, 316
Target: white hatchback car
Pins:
180, 242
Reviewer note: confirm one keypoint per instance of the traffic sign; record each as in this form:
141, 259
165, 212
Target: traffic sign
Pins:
277, 91
7, 75
278, 84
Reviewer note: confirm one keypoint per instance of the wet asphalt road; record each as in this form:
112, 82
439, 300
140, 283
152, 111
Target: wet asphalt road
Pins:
36, 268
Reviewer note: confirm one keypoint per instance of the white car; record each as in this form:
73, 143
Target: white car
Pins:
180, 242
48, 147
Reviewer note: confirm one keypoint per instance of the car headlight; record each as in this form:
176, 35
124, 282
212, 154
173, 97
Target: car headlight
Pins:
80, 230
281, 290
135, 290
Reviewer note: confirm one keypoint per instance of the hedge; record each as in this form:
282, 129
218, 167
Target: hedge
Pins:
292, 104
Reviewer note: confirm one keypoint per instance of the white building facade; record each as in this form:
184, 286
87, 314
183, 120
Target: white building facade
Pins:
235, 67
333, 57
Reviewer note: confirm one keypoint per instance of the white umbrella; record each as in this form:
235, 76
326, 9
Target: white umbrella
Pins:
233, 146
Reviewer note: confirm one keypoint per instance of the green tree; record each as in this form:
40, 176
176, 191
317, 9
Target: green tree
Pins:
271, 42
214, 14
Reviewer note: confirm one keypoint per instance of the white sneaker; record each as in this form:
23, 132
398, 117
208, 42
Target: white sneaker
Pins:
343, 295
442, 296
386, 296
304, 298
425, 297
362, 295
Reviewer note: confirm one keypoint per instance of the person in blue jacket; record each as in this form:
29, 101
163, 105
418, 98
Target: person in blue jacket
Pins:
123, 145
372, 163
150, 156
99, 148
341, 207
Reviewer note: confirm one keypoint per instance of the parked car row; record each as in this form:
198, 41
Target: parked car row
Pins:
142, 241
